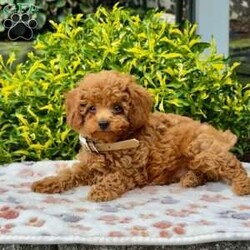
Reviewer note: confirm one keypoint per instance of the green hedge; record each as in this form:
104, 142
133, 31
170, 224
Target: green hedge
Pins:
167, 61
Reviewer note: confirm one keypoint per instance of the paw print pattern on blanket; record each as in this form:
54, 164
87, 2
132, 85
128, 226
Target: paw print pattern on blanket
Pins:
8, 213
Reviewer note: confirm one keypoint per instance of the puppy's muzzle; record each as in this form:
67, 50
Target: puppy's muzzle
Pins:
103, 124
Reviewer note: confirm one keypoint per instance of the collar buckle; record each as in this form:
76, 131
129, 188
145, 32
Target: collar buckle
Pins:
88, 144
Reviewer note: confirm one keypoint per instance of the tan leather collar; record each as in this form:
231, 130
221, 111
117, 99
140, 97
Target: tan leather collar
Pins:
91, 146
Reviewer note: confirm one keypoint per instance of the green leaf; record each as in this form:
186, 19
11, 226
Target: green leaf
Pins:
2, 28
40, 19
200, 47
60, 3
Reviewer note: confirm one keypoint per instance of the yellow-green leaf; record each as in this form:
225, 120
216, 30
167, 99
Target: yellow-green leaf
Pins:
22, 119
161, 106
64, 134
48, 107
11, 58
171, 55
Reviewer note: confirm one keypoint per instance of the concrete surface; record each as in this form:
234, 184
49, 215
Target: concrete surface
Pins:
237, 245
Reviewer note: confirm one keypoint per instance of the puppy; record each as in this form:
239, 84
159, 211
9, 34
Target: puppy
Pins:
125, 145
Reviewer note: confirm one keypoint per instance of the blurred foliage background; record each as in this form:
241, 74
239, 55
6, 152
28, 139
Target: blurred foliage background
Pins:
168, 61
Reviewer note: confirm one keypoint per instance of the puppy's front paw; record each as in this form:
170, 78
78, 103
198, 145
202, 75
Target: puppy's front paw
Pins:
98, 195
242, 187
47, 185
192, 179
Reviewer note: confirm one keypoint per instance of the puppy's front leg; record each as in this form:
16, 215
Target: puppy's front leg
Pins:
76, 176
111, 187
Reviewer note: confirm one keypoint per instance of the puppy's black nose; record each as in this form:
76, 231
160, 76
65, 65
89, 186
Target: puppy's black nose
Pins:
103, 124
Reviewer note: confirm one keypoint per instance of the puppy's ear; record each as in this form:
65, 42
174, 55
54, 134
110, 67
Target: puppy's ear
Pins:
140, 105
72, 105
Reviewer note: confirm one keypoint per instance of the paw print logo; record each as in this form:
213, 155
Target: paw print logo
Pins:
20, 26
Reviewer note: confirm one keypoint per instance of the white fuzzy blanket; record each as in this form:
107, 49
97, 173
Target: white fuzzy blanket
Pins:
154, 215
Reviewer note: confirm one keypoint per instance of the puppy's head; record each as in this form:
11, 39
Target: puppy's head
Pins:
107, 106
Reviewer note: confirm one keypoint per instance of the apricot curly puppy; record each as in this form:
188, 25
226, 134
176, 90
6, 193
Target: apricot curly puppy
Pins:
109, 109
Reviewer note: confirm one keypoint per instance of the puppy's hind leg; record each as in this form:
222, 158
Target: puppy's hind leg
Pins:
235, 172
222, 166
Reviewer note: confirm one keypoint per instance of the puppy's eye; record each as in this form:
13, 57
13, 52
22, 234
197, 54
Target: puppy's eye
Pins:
92, 109
83, 103
117, 109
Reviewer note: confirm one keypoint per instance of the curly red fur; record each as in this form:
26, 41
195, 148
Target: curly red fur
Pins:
172, 148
